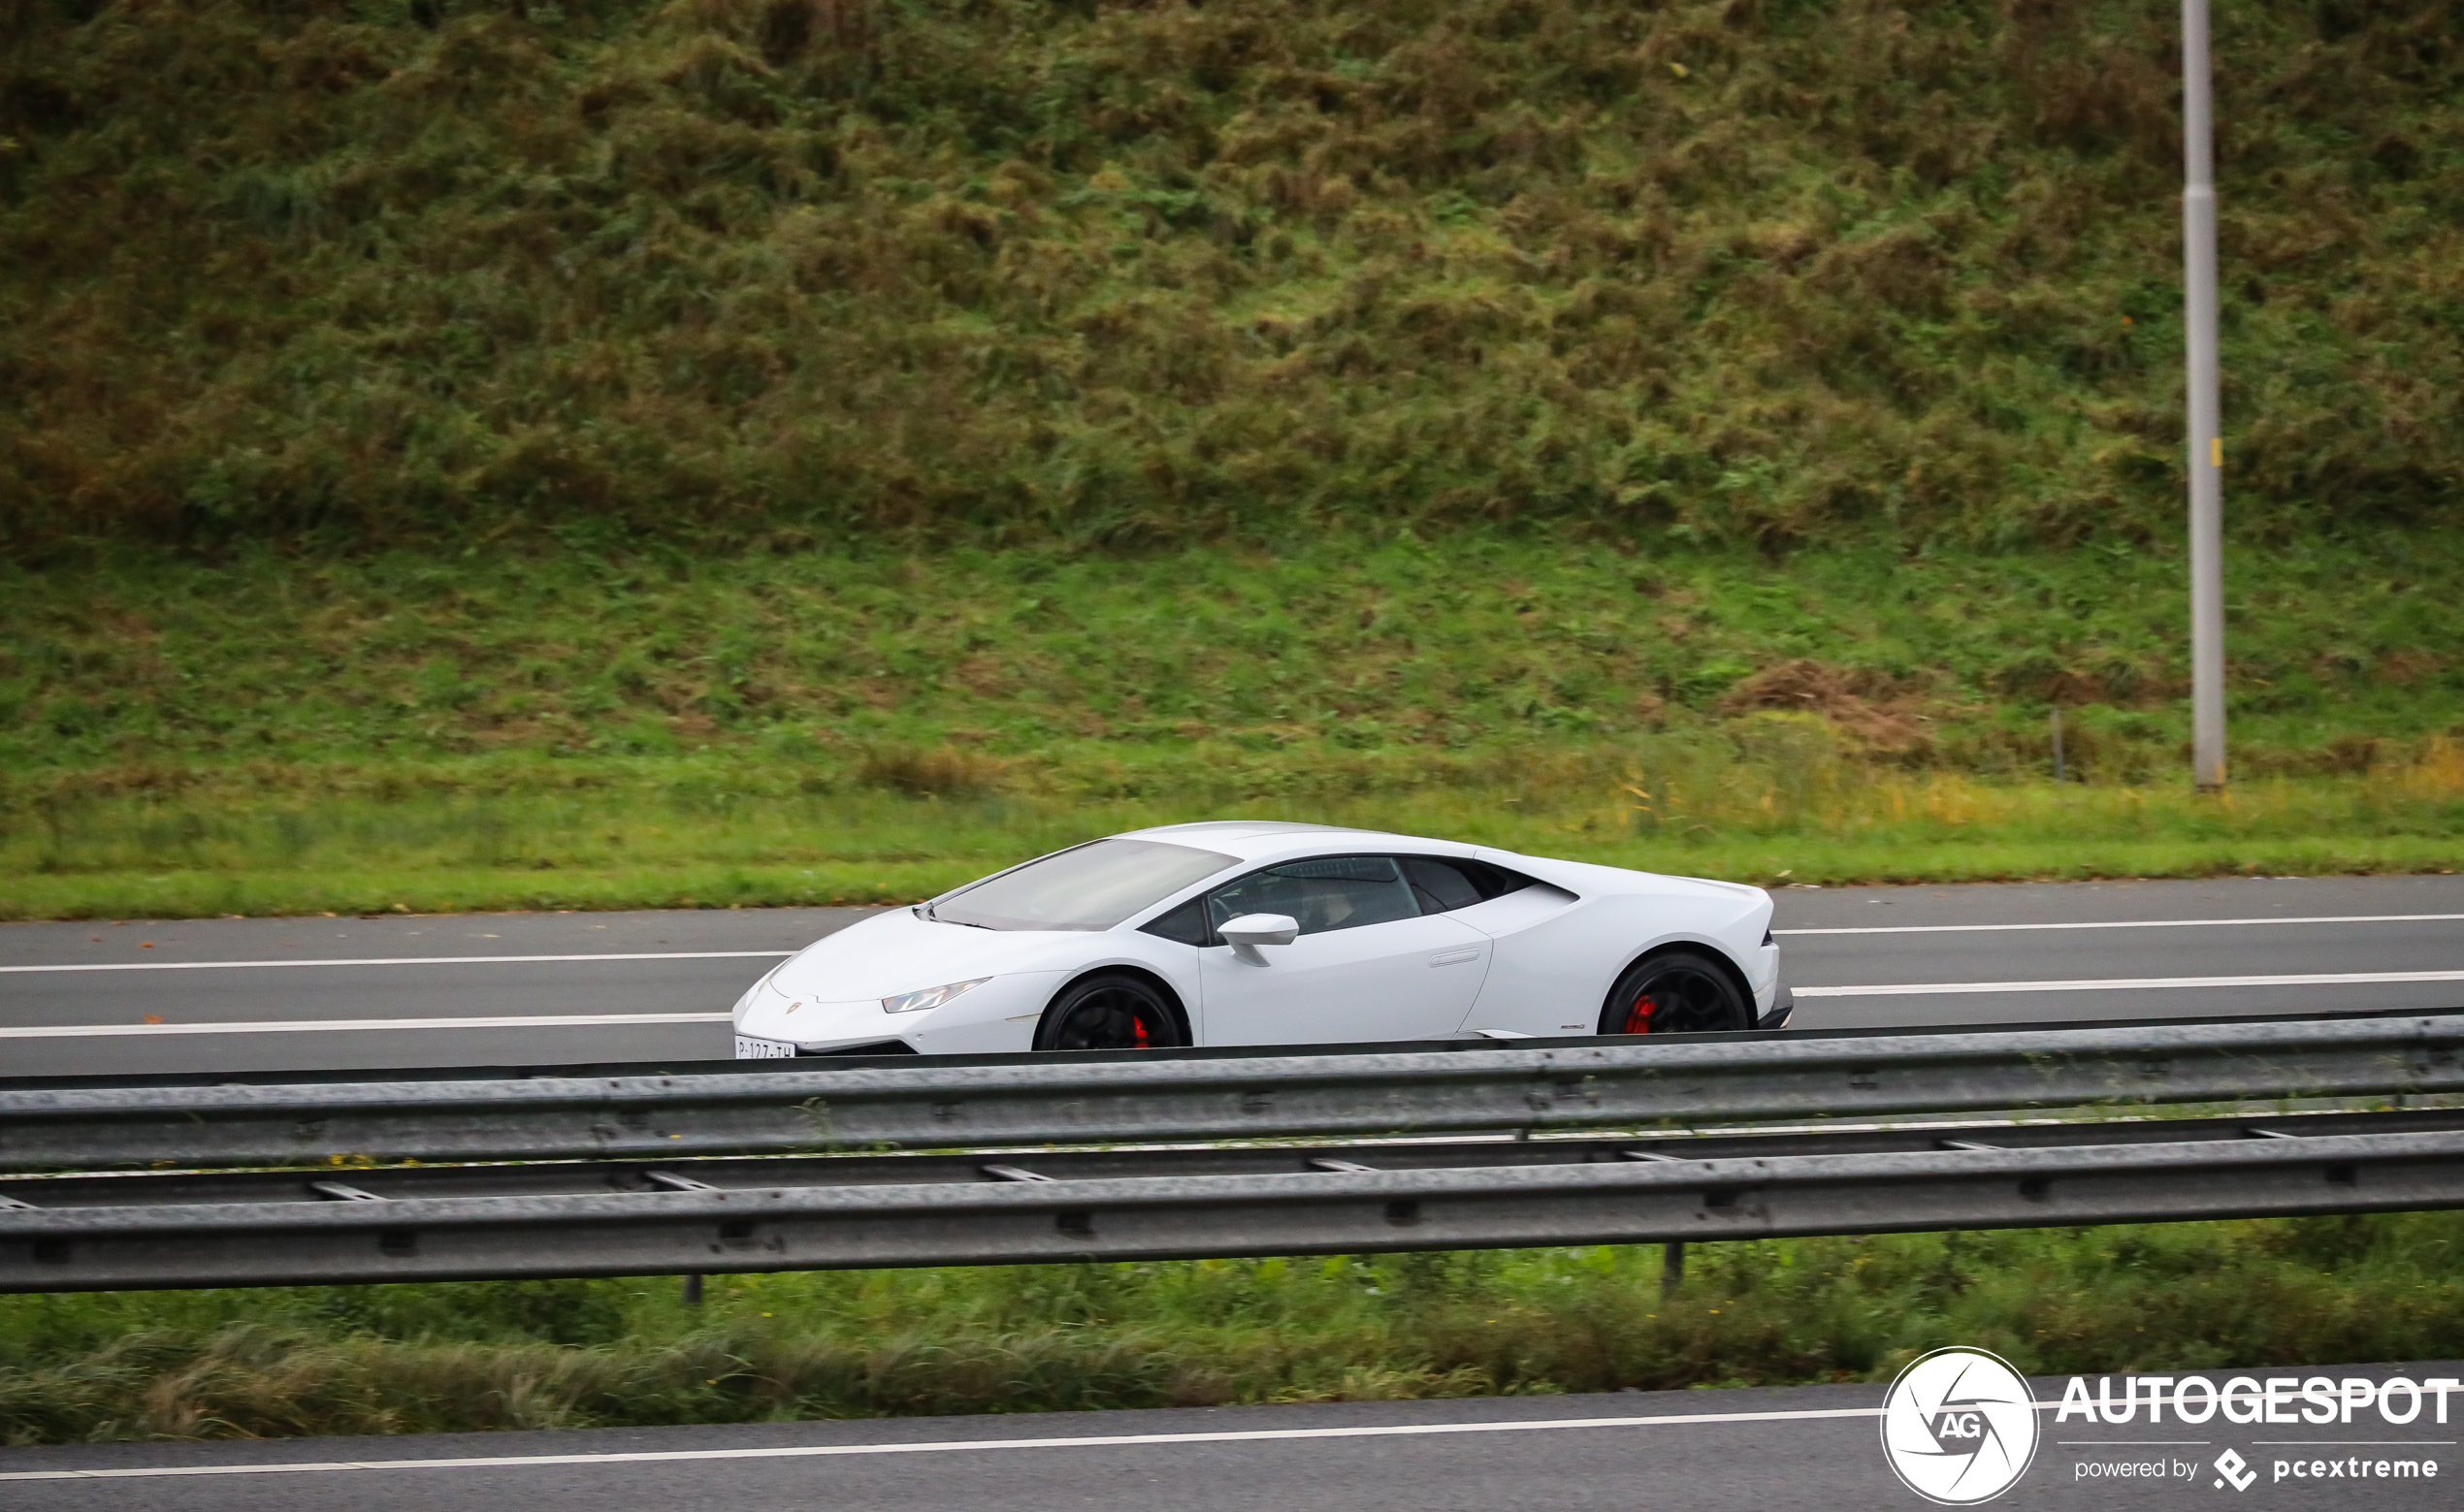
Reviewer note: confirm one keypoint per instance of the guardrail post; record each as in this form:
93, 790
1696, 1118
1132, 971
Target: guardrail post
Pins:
693, 1289
1671, 1267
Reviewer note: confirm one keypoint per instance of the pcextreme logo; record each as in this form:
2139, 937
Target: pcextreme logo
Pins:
2234, 1471
1959, 1427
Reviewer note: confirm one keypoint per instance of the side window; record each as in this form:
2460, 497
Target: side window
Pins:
1187, 923
1443, 885
1439, 885
1332, 893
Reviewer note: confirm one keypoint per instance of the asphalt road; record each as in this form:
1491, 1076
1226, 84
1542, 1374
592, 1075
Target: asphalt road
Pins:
1813, 1447
506, 988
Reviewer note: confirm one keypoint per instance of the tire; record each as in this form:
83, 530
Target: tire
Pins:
1112, 1011
1676, 992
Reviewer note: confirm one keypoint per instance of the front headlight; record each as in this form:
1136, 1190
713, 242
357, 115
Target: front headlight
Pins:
929, 997
760, 990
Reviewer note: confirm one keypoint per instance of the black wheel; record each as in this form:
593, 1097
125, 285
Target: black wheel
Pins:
1675, 992
1113, 1011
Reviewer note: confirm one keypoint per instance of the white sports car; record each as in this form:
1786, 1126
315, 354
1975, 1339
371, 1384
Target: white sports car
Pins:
1256, 932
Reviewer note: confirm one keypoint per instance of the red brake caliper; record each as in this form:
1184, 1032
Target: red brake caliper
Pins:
1639, 1017
1139, 1023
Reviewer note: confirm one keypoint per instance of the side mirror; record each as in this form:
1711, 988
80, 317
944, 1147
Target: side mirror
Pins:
1247, 932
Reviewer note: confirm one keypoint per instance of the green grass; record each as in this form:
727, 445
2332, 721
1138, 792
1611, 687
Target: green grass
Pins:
1466, 642
784, 273
711, 833
435, 437
568, 730
430, 1358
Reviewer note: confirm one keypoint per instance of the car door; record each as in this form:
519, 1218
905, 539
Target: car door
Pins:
1369, 964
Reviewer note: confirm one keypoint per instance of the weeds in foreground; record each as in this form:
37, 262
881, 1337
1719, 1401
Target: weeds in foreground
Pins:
502, 1354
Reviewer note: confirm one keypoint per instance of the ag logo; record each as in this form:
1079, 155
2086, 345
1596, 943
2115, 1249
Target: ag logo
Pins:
1959, 1427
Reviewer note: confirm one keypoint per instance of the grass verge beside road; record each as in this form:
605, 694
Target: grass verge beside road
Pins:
716, 832
564, 730
516, 1355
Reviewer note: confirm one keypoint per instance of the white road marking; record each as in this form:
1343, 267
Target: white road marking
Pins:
591, 1020
338, 1025
2133, 924
2133, 983
417, 960
721, 955
804, 1451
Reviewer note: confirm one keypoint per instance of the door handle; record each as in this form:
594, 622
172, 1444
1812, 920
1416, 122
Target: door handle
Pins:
1455, 957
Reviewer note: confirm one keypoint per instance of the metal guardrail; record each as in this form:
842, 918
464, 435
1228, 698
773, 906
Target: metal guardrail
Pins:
827, 1213
1030, 1100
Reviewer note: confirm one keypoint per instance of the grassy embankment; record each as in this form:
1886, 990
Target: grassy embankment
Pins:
437, 439
564, 732
561, 1353
787, 273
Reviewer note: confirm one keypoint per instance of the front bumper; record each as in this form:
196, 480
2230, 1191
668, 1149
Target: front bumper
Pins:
752, 1047
998, 1016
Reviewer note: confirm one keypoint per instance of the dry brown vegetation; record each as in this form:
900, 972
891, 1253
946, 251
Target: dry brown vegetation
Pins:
1873, 709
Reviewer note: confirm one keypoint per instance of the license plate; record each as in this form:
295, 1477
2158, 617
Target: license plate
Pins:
748, 1048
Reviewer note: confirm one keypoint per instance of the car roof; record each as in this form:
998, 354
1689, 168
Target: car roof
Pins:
1268, 840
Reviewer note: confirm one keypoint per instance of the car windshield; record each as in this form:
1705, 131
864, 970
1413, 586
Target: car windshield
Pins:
1090, 886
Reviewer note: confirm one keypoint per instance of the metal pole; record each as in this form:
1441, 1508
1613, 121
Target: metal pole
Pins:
2206, 433
1671, 1267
